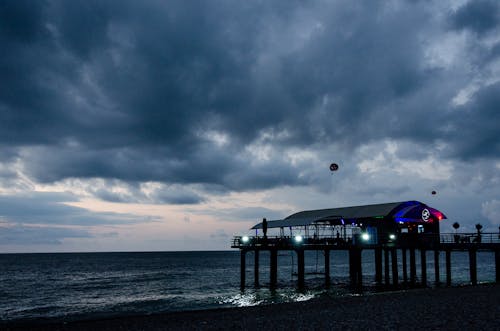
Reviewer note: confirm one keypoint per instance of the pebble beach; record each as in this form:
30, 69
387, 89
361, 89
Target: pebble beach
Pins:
457, 308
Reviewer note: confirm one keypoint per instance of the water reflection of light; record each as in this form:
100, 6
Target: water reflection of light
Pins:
242, 300
264, 297
303, 297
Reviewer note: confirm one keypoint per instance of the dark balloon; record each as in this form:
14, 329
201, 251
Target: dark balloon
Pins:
334, 167
433, 192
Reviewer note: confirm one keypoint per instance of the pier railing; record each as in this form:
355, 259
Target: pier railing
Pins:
404, 239
486, 238
286, 241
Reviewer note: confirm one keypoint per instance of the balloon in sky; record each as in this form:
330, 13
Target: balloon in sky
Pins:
433, 192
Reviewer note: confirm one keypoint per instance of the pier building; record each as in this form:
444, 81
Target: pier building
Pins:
407, 226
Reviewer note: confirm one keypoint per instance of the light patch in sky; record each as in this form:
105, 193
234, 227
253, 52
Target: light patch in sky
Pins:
445, 51
464, 95
263, 148
429, 168
218, 138
491, 210
174, 217
12, 178
260, 151
387, 160
299, 156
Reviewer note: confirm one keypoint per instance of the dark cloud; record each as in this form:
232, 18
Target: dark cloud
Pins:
182, 92
219, 234
110, 196
478, 15
21, 20
475, 129
177, 196
132, 192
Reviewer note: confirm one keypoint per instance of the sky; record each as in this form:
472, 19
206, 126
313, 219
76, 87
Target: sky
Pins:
174, 125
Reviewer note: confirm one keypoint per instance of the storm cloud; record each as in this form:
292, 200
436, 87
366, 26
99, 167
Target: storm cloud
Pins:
178, 92
204, 98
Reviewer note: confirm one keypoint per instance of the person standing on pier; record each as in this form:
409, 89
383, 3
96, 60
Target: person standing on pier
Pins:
264, 228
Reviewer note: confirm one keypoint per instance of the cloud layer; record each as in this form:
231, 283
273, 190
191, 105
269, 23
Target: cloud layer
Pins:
174, 102
183, 95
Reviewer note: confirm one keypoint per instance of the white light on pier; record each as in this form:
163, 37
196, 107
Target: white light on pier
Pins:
298, 239
245, 239
365, 236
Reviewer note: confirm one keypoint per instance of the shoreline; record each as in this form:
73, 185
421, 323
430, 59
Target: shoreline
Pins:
470, 307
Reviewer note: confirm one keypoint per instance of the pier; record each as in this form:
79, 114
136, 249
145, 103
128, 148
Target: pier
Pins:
409, 228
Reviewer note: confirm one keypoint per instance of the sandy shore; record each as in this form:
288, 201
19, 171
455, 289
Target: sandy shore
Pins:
464, 308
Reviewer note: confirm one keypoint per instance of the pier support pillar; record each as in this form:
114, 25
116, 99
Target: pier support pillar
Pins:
405, 271
355, 271
242, 269
386, 267
413, 267
327, 268
274, 268
436, 267
497, 265
423, 263
352, 272
360, 271
300, 268
378, 265
256, 268
473, 266
448, 268
394, 260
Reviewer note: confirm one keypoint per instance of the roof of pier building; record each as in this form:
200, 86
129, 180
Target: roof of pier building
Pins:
405, 211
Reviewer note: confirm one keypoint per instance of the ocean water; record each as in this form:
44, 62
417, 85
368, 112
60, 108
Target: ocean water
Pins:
70, 286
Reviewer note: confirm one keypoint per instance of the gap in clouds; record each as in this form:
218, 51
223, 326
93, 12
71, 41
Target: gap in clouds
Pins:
41, 218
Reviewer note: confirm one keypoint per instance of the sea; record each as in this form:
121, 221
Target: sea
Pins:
45, 287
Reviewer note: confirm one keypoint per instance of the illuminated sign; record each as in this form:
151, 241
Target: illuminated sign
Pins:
426, 214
